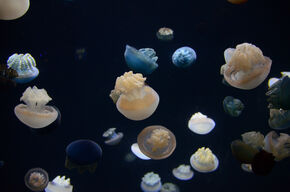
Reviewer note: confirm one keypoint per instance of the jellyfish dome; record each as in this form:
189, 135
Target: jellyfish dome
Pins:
254, 139
183, 57
243, 152
36, 179
246, 67
151, 182
183, 172
279, 119
200, 124
233, 106
204, 161
133, 98
25, 66
169, 187
59, 184
165, 34
13, 9
136, 151
112, 137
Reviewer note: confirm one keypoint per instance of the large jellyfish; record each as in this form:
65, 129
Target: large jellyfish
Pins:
204, 161
36, 179
59, 184
165, 34
156, 142
35, 114
136, 151
183, 57
245, 67
233, 106
279, 119
169, 187
112, 138
133, 98
13, 9
183, 172
151, 182
201, 124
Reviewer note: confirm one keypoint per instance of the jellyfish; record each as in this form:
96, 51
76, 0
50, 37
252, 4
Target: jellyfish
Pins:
169, 187
151, 182
183, 57
183, 172
245, 67
1, 164
233, 106
6, 77
243, 152
247, 167
83, 154
273, 80
136, 151
13, 9
201, 124
130, 157
36, 179
263, 163
254, 139
279, 119
156, 142
204, 161
59, 184
165, 34
142, 60
133, 98
112, 137
237, 2
25, 66
80, 54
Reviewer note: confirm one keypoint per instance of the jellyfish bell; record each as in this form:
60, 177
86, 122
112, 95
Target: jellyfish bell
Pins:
233, 106
183, 172
169, 187
279, 119
6, 77
136, 151
165, 34
36, 179
254, 139
183, 57
112, 138
263, 163
243, 152
13, 9
204, 161
59, 184
151, 182
201, 124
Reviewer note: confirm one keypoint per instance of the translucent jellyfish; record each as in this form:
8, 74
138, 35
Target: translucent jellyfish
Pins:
243, 152
130, 157
112, 137
183, 57
59, 184
279, 119
136, 151
25, 66
36, 179
254, 139
204, 161
151, 182
35, 114
13, 9
237, 2
156, 142
83, 154
169, 187
6, 77
263, 163
233, 106
201, 124
245, 67
165, 34
183, 172
247, 167
133, 98
142, 60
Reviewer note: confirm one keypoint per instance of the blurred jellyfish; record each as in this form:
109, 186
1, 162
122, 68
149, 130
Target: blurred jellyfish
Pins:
237, 2
130, 157
112, 137
59, 184
7, 75
25, 66
151, 182
165, 34
204, 161
247, 167
243, 152
36, 179
156, 142
133, 98
263, 163
136, 151
142, 60
1, 164
254, 139
273, 80
201, 124
35, 114
279, 119
183, 57
183, 172
13, 9
83, 155
233, 106
80, 54
245, 67
169, 187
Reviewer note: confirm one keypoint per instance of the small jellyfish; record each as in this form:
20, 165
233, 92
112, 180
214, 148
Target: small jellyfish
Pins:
245, 67
247, 167
183, 57
169, 187
133, 98
112, 137
156, 142
6, 77
254, 139
83, 154
183, 172
279, 119
165, 34
80, 54
151, 182
233, 106
263, 163
136, 151
59, 184
142, 60
237, 2
25, 66
243, 152
204, 161
12, 9
201, 124
36, 179
35, 114
130, 157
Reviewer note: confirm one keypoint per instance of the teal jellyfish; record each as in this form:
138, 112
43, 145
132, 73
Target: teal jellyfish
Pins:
183, 57
233, 106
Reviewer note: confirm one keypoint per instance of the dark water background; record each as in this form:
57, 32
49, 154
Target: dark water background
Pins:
52, 30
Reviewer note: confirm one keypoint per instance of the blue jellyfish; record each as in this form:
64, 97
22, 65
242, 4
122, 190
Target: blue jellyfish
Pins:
183, 57
142, 60
24, 65
233, 106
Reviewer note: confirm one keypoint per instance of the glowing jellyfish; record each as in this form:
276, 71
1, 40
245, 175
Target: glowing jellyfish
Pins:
112, 137
243, 152
156, 142
233, 106
169, 187
183, 57
25, 66
204, 161
133, 98
59, 184
237, 2
35, 114
13, 9
83, 154
201, 124
142, 60
36, 179
263, 163
245, 67
183, 172
247, 167
136, 151
279, 119
151, 182
254, 139
165, 34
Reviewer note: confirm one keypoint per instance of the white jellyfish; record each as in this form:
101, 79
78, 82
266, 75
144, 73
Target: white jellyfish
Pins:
254, 139
204, 161
183, 172
112, 137
13, 9
247, 167
201, 124
136, 150
59, 184
151, 182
